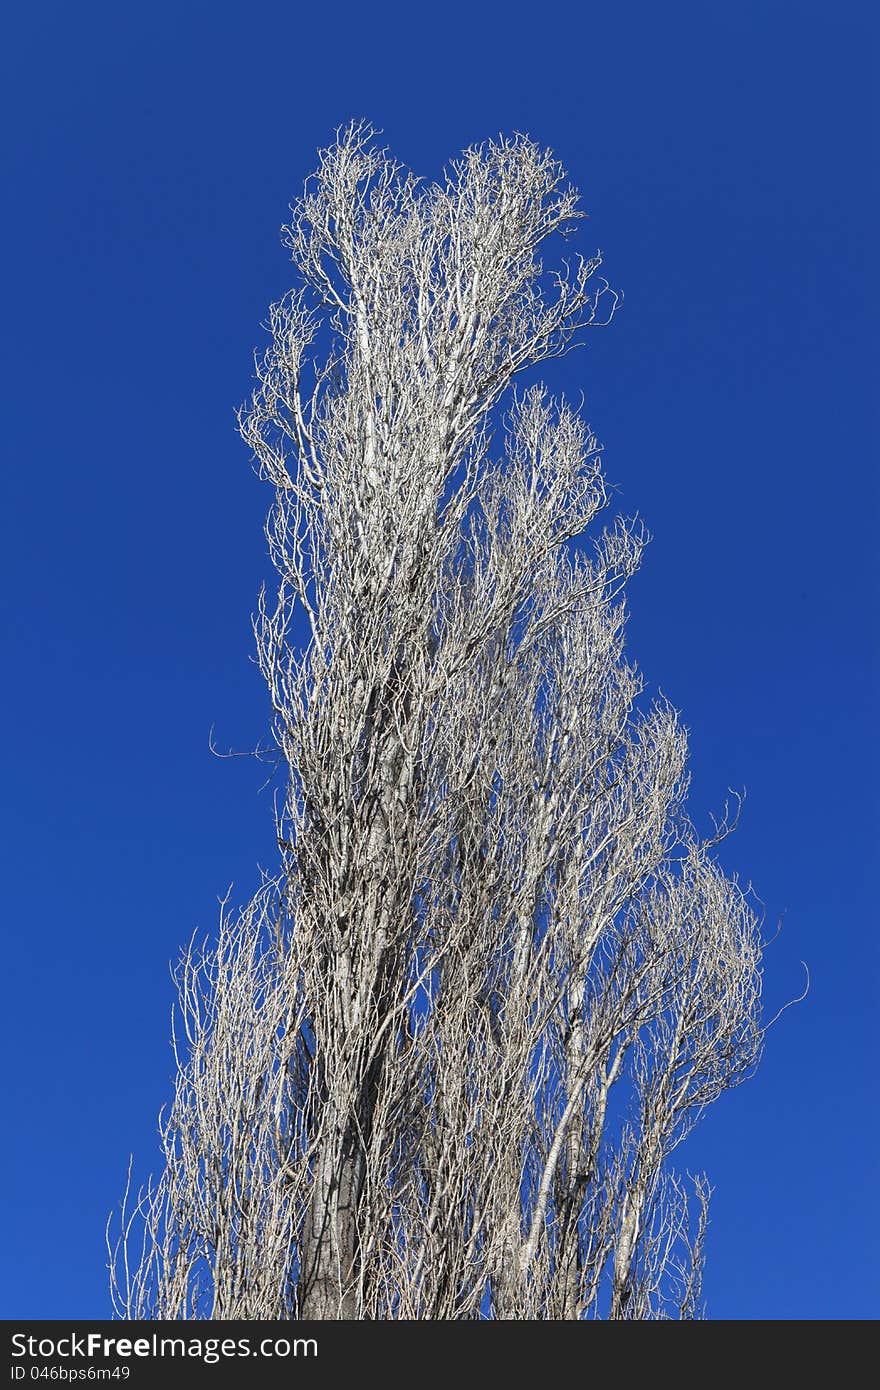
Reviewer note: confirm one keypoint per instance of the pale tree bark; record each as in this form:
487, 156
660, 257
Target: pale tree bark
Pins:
438, 1067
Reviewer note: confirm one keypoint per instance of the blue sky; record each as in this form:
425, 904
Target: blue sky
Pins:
726, 157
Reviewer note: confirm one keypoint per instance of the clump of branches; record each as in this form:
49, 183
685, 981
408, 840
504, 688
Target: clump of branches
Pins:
439, 1066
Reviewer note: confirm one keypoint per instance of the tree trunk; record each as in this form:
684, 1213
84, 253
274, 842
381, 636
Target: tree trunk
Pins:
328, 1282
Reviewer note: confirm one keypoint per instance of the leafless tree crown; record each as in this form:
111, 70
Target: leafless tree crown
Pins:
437, 1068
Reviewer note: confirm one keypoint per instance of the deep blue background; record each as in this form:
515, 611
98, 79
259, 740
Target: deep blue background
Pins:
726, 155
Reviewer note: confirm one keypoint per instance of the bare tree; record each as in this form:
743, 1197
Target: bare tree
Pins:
438, 1067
